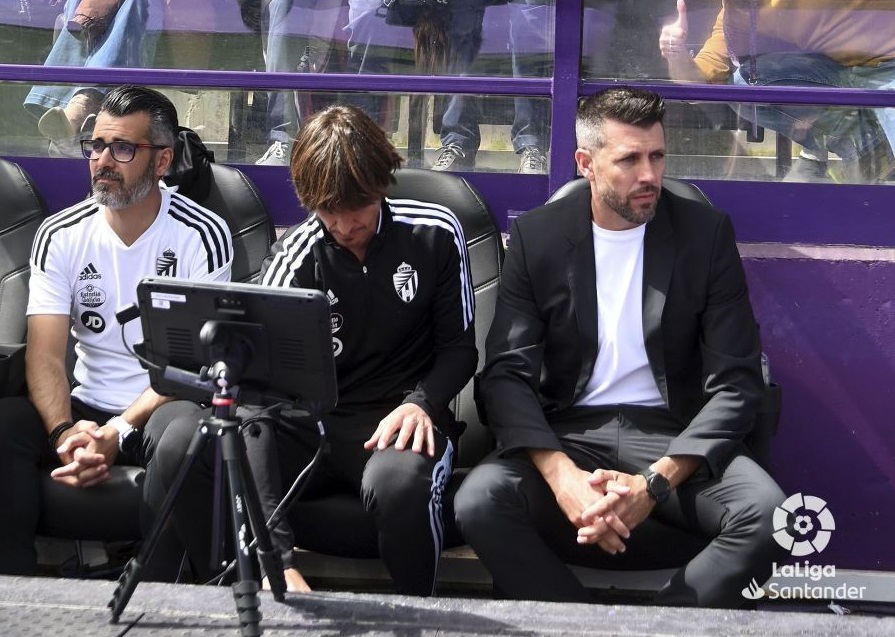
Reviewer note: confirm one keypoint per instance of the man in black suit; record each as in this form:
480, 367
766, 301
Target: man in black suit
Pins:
622, 375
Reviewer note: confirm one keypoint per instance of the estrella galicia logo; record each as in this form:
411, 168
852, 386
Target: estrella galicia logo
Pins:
803, 524
89, 273
336, 322
406, 281
91, 296
93, 321
166, 265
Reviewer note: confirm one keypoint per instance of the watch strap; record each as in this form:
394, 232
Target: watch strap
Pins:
651, 477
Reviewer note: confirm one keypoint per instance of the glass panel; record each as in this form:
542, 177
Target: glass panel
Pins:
490, 37
490, 133
830, 42
772, 142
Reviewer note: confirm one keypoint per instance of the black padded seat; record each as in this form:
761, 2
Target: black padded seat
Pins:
484, 243
768, 418
485, 246
235, 198
111, 511
22, 209
673, 185
652, 534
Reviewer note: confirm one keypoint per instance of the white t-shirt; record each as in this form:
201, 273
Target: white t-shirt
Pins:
79, 267
621, 374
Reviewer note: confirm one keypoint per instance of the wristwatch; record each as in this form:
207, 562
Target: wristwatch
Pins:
657, 485
128, 437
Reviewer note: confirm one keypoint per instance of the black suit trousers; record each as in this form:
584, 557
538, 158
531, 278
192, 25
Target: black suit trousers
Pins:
716, 529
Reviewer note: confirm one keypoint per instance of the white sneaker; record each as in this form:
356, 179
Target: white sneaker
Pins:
534, 162
276, 155
452, 157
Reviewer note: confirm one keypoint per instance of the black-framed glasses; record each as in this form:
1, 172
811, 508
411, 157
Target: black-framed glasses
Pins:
122, 152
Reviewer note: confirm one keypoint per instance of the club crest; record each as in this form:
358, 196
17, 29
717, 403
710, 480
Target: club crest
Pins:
406, 282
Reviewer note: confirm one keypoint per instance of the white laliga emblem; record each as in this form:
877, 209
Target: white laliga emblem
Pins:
806, 511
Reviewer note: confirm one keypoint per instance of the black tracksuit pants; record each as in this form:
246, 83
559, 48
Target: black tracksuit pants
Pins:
400, 491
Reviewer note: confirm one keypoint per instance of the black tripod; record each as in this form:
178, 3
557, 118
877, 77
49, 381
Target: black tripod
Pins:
245, 506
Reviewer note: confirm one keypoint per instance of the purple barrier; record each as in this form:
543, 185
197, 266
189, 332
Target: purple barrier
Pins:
824, 325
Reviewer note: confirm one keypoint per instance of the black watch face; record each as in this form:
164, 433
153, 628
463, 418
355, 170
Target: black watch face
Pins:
658, 487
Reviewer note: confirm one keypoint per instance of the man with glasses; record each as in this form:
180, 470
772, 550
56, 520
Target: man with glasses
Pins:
86, 262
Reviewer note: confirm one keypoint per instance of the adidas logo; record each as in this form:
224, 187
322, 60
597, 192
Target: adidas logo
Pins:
333, 299
89, 273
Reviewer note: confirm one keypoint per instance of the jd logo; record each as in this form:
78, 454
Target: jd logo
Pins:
93, 322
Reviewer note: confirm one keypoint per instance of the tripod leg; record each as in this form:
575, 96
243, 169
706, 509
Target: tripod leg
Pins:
245, 590
129, 579
267, 555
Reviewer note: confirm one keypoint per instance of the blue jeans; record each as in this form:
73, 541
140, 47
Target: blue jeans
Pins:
290, 27
460, 122
848, 132
129, 42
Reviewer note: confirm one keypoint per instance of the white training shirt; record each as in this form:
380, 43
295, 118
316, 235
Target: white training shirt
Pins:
79, 267
621, 374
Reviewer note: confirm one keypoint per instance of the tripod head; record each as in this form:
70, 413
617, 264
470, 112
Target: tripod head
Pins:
273, 344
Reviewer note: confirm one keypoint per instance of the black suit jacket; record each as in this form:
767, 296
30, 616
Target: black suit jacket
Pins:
700, 333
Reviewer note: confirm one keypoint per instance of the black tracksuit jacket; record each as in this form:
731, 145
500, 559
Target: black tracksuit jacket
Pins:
402, 321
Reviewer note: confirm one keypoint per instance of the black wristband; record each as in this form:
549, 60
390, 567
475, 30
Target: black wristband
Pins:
58, 430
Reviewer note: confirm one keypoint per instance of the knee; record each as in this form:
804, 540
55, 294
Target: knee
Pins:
756, 513
172, 444
400, 479
165, 415
475, 501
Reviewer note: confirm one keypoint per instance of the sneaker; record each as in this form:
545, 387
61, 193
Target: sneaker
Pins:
452, 157
534, 162
55, 125
276, 155
807, 170
87, 126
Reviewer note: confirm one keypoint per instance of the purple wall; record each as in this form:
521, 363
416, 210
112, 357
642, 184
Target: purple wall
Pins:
827, 327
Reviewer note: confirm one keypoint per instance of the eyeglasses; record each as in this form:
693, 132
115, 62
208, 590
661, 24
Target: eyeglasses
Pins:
122, 152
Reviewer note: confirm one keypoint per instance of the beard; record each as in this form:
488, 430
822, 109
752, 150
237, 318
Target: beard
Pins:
123, 195
622, 205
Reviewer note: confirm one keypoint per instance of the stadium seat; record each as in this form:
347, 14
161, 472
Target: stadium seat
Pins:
485, 246
759, 440
23, 209
234, 197
686, 544
111, 511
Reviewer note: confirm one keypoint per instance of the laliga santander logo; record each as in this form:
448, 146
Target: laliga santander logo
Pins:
803, 525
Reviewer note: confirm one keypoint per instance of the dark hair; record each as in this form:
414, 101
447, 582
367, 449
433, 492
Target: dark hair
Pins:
129, 99
342, 159
623, 104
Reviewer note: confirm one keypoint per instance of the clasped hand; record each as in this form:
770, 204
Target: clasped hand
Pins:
86, 455
616, 503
